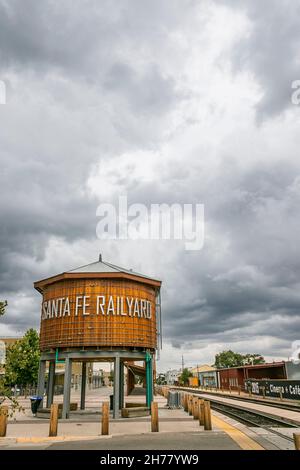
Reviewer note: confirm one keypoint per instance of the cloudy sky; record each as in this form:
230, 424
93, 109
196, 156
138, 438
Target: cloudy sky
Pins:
173, 101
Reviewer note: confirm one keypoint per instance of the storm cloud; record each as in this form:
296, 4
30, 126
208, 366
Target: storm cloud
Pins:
161, 102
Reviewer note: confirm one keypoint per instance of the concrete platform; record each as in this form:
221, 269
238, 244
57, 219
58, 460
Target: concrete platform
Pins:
177, 430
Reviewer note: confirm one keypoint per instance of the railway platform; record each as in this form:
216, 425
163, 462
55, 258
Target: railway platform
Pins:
177, 430
292, 404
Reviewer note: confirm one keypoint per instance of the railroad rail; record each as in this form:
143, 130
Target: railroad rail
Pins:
253, 418
260, 401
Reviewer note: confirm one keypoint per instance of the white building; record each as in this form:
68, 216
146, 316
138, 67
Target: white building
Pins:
172, 376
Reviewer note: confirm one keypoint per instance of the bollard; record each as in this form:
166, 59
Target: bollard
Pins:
190, 405
207, 416
53, 420
195, 408
105, 419
185, 402
3, 420
229, 389
154, 417
264, 392
280, 395
239, 390
296, 441
201, 411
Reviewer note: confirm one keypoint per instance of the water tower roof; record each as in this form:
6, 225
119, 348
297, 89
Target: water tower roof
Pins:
98, 269
105, 267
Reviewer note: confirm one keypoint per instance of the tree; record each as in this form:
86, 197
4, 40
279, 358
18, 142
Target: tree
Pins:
111, 376
22, 360
232, 359
184, 377
6, 395
228, 359
253, 359
161, 379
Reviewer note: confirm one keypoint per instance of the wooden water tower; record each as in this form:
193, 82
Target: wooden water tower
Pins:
98, 312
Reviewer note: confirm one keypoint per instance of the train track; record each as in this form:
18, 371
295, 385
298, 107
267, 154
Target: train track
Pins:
252, 418
283, 406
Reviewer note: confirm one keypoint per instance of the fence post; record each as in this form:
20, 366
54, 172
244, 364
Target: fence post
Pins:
190, 405
207, 416
53, 420
3, 420
296, 441
154, 417
105, 419
195, 408
185, 401
201, 411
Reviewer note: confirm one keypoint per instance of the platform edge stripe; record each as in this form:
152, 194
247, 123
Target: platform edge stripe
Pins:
245, 442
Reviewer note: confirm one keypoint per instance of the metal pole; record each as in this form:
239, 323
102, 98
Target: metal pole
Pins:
116, 387
149, 380
121, 401
51, 380
41, 381
67, 388
83, 386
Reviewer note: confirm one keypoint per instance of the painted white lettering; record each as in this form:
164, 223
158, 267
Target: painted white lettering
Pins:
110, 307
100, 304
129, 303
66, 310
85, 305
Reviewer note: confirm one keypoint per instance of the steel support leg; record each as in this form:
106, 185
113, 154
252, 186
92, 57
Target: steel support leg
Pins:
121, 401
41, 381
51, 380
149, 380
83, 386
116, 387
67, 388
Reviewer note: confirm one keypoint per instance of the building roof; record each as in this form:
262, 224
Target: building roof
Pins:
98, 269
201, 368
256, 366
104, 267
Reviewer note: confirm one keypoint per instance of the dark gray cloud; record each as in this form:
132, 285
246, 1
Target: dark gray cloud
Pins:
269, 50
107, 97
